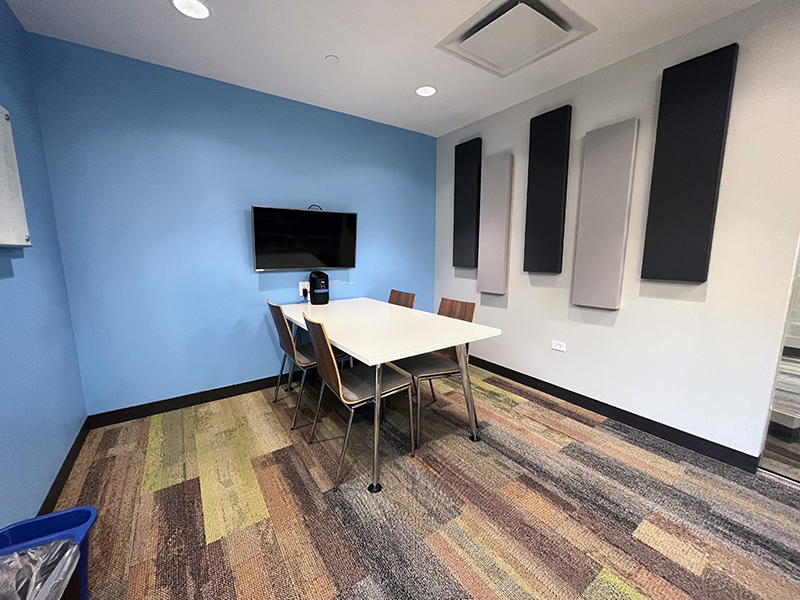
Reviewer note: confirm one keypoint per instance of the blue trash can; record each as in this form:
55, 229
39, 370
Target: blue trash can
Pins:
73, 523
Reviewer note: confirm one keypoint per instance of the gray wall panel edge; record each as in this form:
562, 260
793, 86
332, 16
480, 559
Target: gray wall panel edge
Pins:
496, 182
608, 162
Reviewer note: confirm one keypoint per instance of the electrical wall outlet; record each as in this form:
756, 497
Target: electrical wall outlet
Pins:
558, 346
303, 285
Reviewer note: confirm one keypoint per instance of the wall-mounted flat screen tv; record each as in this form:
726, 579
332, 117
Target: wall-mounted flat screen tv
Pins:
296, 239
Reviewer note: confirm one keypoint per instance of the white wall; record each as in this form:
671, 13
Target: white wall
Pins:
700, 358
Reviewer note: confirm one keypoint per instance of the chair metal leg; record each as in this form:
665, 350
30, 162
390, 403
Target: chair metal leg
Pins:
432, 392
351, 362
299, 398
411, 419
289, 383
316, 414
280, 375
344, 446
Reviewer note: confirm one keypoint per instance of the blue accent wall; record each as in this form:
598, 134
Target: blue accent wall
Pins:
153, 173
41, 401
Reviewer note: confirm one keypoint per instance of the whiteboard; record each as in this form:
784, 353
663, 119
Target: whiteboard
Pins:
13, 223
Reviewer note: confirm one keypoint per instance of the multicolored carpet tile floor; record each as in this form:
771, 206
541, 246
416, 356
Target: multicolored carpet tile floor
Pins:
222, 501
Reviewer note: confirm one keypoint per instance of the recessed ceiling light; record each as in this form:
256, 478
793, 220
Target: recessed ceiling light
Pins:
192, 8
426, 90
331, 59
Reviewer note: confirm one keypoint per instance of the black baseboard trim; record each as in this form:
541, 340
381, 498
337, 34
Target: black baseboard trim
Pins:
60, 481
793, 352
153, 408
714, 450
782, 432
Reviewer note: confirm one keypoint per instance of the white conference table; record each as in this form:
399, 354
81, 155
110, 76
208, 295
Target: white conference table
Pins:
377, 332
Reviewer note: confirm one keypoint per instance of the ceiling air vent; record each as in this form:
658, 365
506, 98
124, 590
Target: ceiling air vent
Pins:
507, 35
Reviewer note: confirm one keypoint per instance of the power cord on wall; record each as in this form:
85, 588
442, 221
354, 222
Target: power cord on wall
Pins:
306, 292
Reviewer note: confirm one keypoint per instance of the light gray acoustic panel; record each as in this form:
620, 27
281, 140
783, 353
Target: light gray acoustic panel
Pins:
13, 224
608, 157
495, 212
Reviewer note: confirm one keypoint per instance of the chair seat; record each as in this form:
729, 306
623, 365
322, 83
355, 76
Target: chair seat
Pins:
358, 383
428, 365
306, 357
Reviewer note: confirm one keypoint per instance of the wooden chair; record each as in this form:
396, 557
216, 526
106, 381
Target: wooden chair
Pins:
354, 387
302, 355
440, 363
399, 298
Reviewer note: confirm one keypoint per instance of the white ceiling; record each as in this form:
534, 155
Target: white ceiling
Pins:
386, 48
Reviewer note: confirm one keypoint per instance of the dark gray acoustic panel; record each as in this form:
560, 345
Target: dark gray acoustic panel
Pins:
495, 214
548, 158
608, 157
690, 143
467, 203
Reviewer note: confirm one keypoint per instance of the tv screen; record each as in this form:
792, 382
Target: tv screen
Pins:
296, 239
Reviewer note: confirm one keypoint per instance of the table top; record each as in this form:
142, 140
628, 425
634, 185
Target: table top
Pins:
376, 332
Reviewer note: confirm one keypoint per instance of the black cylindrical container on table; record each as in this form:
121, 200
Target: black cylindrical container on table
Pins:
319, 287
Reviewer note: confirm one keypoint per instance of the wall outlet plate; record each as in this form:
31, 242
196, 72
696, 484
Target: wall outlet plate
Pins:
303, 285
558, 346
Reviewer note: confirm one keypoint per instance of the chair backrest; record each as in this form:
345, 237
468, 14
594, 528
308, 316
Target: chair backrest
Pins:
284, 333
456, 309
399, 298
326, 363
